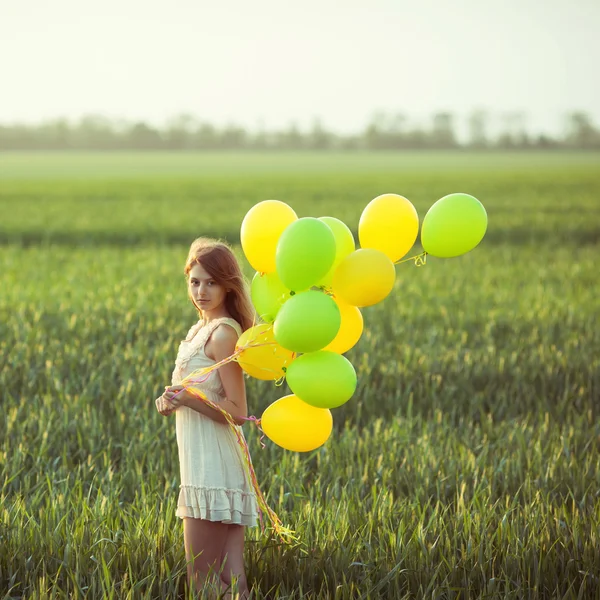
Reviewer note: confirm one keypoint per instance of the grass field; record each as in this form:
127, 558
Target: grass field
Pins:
467, 464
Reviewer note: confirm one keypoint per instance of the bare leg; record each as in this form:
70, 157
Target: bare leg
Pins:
232, 560
204, 543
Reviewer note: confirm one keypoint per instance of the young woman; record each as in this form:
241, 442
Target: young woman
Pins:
216, 500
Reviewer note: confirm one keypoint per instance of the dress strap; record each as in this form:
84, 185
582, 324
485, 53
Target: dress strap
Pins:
227, 320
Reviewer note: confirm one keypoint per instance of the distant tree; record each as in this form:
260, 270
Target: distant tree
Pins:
581, 132
443, 135
478, 128
383, 132
206, 137
17, 137
351, 142
54, 135
513, 134
397, 123
505, 138
319, 138
545, 142
417, 138
143, 137
372, 136
291, 138
260, 140
521, 134
179, 134
394, 135
95, 132
375, 131
233, 137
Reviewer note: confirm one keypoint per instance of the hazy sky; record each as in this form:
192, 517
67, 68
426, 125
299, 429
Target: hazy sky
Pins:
271, 62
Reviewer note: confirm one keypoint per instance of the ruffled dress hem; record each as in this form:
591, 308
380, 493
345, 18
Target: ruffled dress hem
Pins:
233, 507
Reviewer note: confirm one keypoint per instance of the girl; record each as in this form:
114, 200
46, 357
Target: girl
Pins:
216, 500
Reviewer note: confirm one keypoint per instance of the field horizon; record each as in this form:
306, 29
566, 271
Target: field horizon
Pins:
200, 164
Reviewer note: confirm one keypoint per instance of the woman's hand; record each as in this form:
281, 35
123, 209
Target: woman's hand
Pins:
164, 406
177, 395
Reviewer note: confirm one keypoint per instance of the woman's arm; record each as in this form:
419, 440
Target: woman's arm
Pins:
201, 407
220, 346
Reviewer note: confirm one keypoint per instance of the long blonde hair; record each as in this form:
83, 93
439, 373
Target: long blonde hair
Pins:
220, 263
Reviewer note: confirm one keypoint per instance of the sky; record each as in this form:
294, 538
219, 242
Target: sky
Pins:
270, 63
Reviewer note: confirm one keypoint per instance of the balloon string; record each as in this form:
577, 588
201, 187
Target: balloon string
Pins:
257, 422
420, 259
327, 290
200, 376
285, 534
251, 418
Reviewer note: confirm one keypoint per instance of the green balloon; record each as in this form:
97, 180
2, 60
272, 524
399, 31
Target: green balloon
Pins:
268, 295
324, 379
454, 225
307, 322
344, 245
305, 252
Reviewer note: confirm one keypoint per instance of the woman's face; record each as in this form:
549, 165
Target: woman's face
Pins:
206, 292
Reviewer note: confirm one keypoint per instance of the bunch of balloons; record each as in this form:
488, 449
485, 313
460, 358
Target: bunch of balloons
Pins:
309, 286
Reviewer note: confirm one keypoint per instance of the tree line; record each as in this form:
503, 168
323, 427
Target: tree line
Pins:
383, 132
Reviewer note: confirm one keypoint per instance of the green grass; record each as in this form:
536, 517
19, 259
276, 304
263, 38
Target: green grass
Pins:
531, 199
467, 464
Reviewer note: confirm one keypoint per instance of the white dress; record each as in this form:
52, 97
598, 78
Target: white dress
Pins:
214, 483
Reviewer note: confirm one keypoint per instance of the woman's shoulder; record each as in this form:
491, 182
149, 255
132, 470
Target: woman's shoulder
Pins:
223, 337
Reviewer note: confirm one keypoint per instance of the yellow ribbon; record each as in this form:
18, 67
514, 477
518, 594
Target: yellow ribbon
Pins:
285, 534
420, 259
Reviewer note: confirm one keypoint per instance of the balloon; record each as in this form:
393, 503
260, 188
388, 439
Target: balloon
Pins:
344, 244
268, 294
305, 253
307, 322
266, 361
322, 379
390, 224
351, 328
261, 229
364, 277
296, 425
454, 225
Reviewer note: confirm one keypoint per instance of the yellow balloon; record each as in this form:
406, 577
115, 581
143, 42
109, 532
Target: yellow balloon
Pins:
390, 224
351, 328
364, 277
261, 229
296, 425
265, 358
